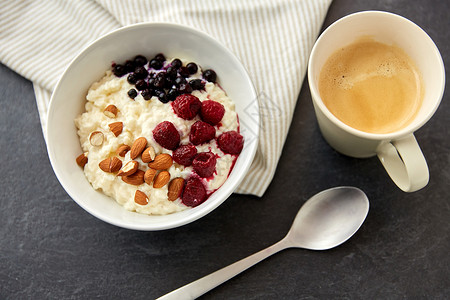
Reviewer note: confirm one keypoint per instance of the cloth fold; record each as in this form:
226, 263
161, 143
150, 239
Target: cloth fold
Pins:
273, 39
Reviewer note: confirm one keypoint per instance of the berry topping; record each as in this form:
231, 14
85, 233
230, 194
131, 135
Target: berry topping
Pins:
160, 80
184, 72
140, 72
204, 164
197, 84
201, 132
210, 75
156, 64
230, 142
140, 60
186, 106
169, 83
160, 57
185, 88
172, 94
179, 80
166, 135
151, 82
212, 112
194, 192
184, 155
129, 66
132, 93
132, 78
192, 68
176, 63
171, 72
146, 94
161, 96
119, 70
141, 84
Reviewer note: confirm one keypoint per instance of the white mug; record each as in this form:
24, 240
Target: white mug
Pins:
398, 151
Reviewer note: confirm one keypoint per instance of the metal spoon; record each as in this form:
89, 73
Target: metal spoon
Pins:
326, 220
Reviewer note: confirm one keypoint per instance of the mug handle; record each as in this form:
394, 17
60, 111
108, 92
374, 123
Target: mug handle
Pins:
405, 163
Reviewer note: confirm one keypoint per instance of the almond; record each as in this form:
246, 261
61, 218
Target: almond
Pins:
137, 178
162, 161
129, 168
116, 128
122, 150
161, 179
148, 155
96, 138
149, 175
110, 165
140, 198
111, 111
175, 188
82, 160
137, 147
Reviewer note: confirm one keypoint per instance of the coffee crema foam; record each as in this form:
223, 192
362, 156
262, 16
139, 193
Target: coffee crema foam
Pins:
371, 86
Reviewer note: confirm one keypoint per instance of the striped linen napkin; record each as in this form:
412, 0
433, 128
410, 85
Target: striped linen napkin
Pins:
272, 38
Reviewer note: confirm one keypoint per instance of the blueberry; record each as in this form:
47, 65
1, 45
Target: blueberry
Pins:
185, 88
141, 85
132, 78
146, 94
119, 70
168, 84
179, 80
156, 92
210, 75
151, 82
160, 80
192, 68
171, 72
140, 60
184, 72
162, 97
132, 93
156, 64
197, 84
129, 66
160, 57
176, 63
172, 94
141, 72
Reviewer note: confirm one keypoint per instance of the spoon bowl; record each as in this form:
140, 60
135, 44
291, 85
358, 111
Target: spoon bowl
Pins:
325, 221
329, 218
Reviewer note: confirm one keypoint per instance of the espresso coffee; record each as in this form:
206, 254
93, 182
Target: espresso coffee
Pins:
371, 86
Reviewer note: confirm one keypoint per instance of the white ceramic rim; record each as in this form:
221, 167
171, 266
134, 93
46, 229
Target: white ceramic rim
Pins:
226, 189
366, 135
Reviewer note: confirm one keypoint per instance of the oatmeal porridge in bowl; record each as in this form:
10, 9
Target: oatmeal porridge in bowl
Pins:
160, 136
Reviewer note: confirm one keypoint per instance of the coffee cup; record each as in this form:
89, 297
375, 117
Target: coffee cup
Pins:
397, 149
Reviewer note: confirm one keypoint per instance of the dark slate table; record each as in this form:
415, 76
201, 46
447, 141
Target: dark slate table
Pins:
50, 248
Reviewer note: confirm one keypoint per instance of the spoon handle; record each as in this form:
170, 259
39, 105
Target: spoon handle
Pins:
200, 286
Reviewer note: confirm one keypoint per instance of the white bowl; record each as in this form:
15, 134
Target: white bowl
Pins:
148, 39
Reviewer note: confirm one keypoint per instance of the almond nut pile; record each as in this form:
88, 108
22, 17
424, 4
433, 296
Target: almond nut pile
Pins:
153, 171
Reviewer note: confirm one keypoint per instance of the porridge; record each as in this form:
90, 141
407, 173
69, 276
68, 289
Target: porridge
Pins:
158, 136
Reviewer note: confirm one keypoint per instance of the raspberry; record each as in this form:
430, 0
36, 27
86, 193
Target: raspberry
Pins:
212, 112
184, 155
194, 192
186, 106
204, 164
201, 132
230, 142
166, 135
